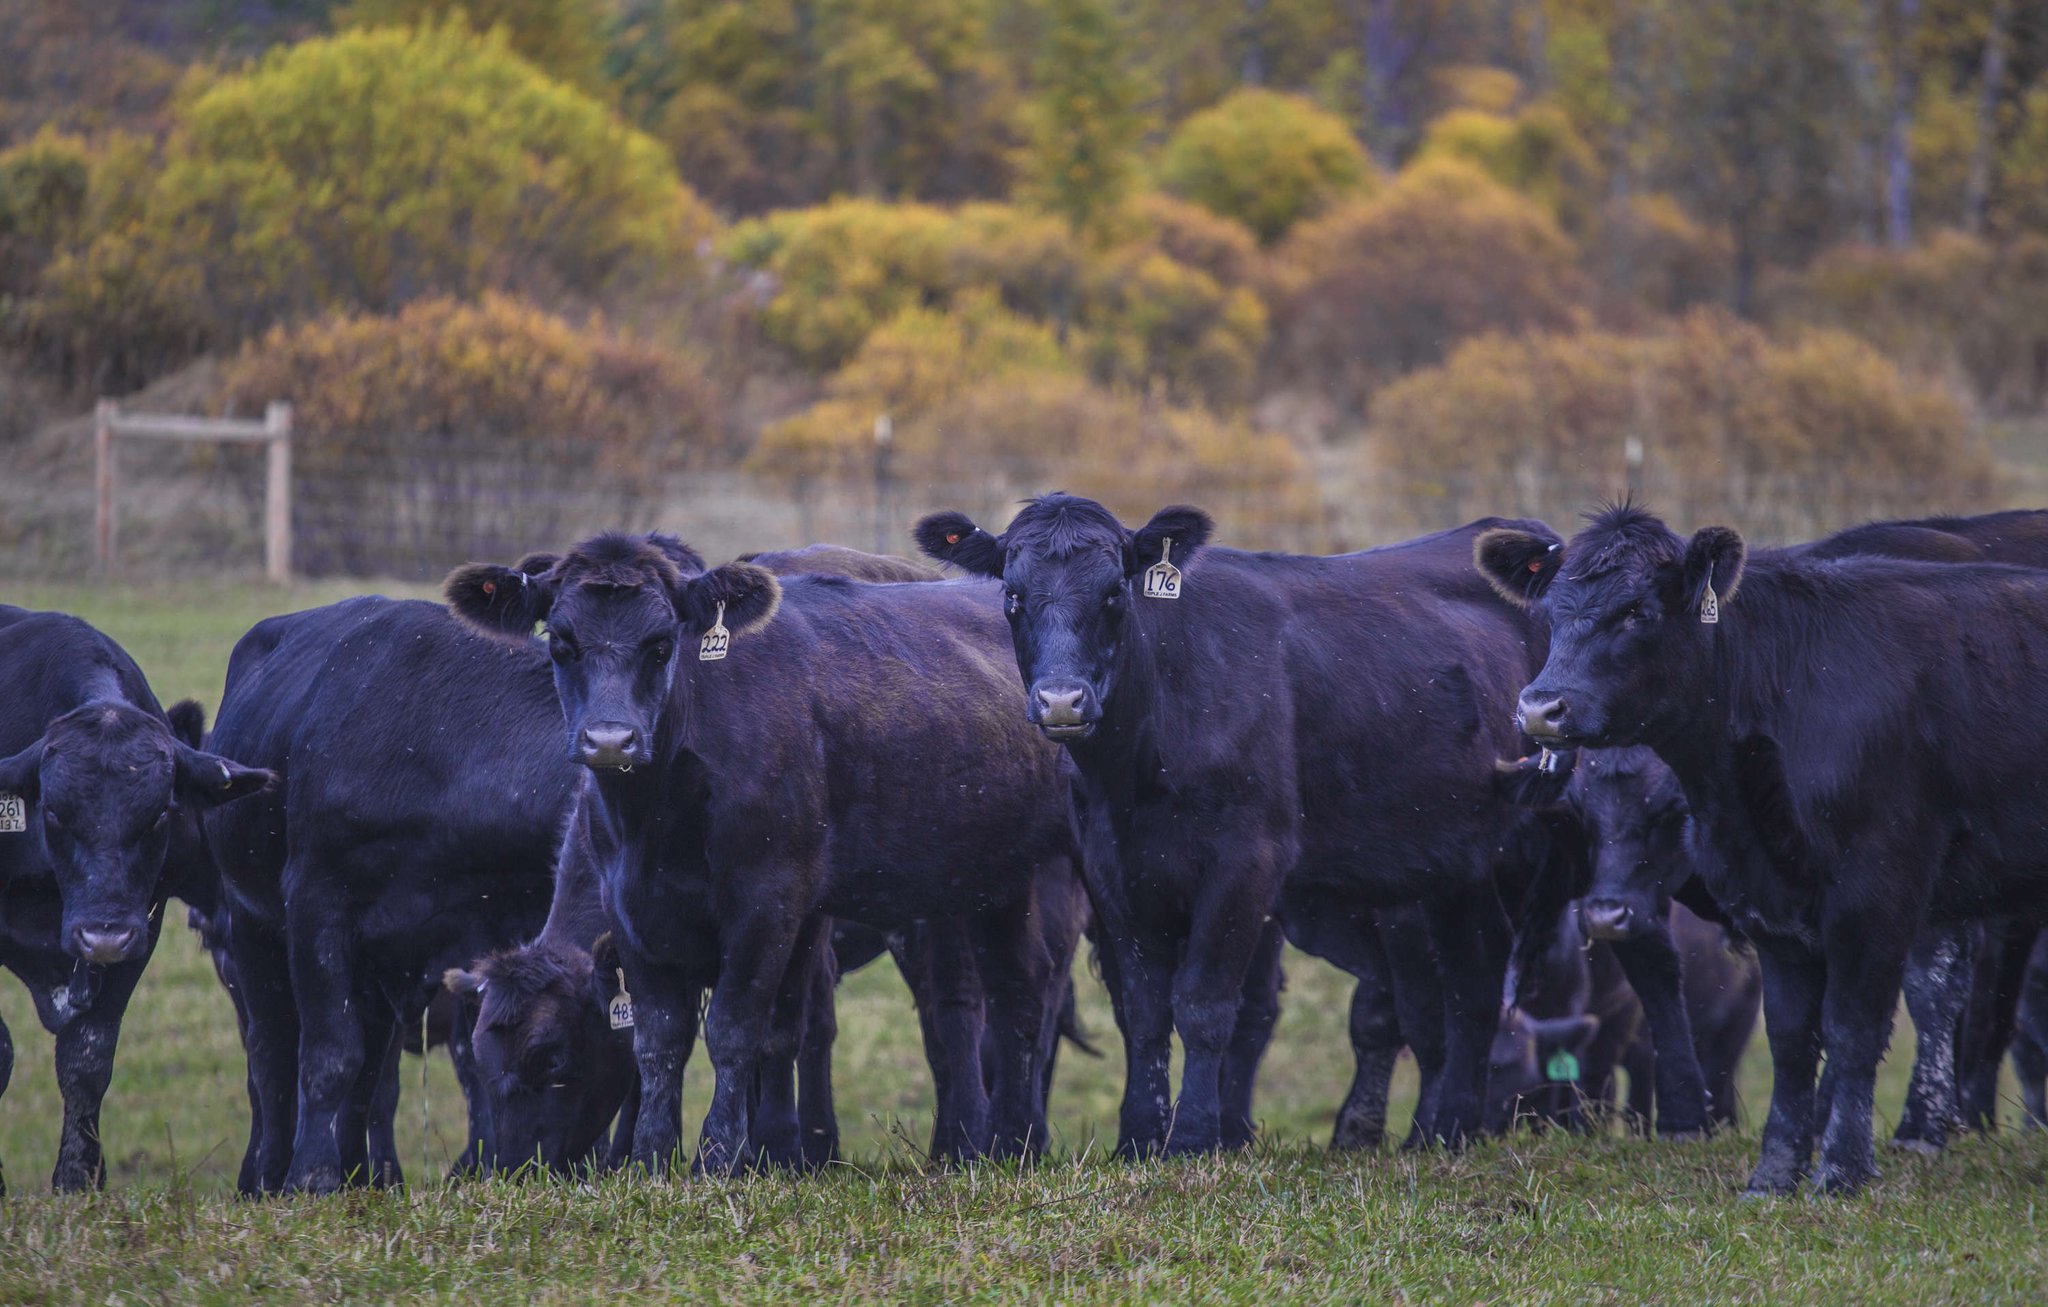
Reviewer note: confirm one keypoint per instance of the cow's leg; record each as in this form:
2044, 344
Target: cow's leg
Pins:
1143, 967
359, 1151
1470, 931
1016, 973
664, 1030
1232, 917
619, 1150
1866, 960
2030, 1036
1937, 984
1998, 972
1795, 980
1375, 1046
85, 1066
385, 1171
1651, 963
263, 976
1258, 1012
756, 955
774, 1134
937, 962
331, 1038
472, 1161
817, 1115
1418, 1008
6, 1075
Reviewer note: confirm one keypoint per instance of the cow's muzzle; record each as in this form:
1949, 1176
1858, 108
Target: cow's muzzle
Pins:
1543, 716
106, 944
611, 745
1064, 710
1610, 919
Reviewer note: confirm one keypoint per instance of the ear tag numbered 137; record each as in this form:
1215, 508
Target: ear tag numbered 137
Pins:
715, 642
1710, 603
1162, 579
620, 1010
13, 814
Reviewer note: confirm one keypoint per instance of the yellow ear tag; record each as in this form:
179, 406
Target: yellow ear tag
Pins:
716, 640
1710, 603
1162, 579
621, 1008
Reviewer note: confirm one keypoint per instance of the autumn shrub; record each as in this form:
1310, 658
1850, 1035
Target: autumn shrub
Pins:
1265, 159
1187, 233
426, 434
1147, 320
1783, 438
1959, 306
563, 38
43, 185
1653, 255
376, 167
1536, 152
1380, 287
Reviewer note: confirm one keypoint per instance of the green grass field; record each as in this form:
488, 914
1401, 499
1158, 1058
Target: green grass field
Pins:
1528, 1219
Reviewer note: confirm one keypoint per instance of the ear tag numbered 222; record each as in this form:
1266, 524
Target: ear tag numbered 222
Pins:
13, 814
1162, 579
620, 1010
716, 641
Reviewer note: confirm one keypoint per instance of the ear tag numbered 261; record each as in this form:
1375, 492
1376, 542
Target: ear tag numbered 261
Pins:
620, 1010
13, 814
1162, 579
716, 641
1710, 603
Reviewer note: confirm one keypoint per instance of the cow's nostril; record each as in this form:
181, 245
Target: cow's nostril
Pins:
1606, 919
609, 743
104, 947
1544, 716
1061, 707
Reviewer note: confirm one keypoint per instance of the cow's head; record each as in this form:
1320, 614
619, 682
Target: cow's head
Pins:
1068, 569
549, 1063
618, 611
1633, 814
104, 786
1631, 608
1534, 1066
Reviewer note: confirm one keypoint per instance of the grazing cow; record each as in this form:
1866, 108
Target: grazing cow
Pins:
1851, 739
98, 799
826, 753
414, 830
1240, 723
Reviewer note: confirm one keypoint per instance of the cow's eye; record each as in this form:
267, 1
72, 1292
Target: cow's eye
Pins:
51, 821
1114, 600
163, 819
659, 650
562, 648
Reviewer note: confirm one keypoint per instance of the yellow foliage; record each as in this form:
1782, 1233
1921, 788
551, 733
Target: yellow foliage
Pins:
1209, 242
1536, 152
1482, 87
500, 371
1652, 253
563, 38
1380, 287
1786, 438
1265, 159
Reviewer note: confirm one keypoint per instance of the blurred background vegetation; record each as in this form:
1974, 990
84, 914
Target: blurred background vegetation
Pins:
769, 269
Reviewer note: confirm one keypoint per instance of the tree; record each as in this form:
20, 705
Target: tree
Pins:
1086, 117
563, 38
1265, 159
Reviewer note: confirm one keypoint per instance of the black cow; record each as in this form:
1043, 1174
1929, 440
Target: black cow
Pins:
1240, 723
415, 829
769, 755
98, 796
1852, 740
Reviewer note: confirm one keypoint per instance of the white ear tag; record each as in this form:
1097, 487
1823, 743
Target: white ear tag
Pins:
620, 1009
1710, 603
713, 646
1162, 579
1546, 763
13, 814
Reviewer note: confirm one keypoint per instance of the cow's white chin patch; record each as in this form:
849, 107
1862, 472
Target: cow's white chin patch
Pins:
1068, 734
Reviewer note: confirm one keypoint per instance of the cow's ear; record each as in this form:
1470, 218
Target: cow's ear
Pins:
1538, 780
954, 538
205, 780
1713, 557
21, 775
604, 953
462, 984
1519, 564
188, 723
1568, 1034
1173, 535
750, 594
502, 601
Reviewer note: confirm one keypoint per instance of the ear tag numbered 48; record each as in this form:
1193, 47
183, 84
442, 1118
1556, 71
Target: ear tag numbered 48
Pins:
1162, 579
716, 641
13, 814
1710, 603
620, 1010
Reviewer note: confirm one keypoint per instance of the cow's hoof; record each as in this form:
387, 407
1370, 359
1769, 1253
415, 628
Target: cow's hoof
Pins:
314, 1180
1922, 1147
1841, 1181
1682, 1136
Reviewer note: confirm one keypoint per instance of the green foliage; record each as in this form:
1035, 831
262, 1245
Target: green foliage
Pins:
1264, 159
1086, 118
1536, 152
2020, 200
1783, 437
563, 38
43, 184
1380, 287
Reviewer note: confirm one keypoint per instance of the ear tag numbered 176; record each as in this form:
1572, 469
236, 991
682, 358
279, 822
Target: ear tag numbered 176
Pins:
716, 641
1162, 579
620, 1010
1710, 603
13, 814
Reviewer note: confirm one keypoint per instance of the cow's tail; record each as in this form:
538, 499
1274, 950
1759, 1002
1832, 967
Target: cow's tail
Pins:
1071, 1028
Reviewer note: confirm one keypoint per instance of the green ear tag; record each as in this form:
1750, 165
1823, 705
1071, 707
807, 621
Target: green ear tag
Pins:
1562, 1067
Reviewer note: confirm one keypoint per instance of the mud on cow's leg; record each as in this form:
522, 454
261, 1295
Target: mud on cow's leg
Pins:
664, 1031
85, 1066
1937, 984
756, 956
332, 1053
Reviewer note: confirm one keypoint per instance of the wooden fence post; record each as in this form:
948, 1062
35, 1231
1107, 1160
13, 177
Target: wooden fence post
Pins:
277, 499
103, 486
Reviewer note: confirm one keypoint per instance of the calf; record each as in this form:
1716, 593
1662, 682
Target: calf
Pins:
98, 796
767, 755
1240, 724
414, 830
1850, 739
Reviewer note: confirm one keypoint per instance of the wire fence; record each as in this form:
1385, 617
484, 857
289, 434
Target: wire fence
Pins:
446, 500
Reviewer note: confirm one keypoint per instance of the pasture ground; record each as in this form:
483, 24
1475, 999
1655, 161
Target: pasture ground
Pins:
1532, 1219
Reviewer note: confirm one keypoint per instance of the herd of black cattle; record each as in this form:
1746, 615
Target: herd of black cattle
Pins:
1579, 806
